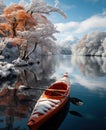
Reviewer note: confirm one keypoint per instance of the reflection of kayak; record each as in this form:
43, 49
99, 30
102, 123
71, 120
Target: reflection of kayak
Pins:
51, 101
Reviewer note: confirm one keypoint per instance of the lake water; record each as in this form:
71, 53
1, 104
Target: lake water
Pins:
88, 83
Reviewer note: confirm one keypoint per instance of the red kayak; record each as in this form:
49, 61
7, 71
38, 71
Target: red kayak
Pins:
51, 102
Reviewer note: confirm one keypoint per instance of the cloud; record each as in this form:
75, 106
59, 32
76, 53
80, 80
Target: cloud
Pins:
66, 26
69, 38
74, 28
94, 22
65, 37
89, 72
90, 84
66, 31
90, 67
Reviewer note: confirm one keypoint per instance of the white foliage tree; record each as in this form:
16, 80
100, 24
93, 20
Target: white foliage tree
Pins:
39, 6
44, 29
93, 44
39, 31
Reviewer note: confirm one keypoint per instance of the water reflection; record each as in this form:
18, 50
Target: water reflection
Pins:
14, 107
84, 72
90, 66
15, 104
93, 71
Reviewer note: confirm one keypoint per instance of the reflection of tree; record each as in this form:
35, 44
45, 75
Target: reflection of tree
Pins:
90, 66
17, 104
39, 73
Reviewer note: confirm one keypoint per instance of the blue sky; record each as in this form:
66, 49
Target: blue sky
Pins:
83, 16
78, 10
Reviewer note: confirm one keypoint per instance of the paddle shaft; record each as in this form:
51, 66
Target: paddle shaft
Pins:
73, 100
57, 91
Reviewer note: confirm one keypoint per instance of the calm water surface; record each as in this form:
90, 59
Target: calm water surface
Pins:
88, 83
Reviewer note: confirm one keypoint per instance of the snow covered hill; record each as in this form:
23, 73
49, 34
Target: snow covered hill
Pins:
92, 44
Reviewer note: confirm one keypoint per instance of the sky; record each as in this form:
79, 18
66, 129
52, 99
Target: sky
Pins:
83, 16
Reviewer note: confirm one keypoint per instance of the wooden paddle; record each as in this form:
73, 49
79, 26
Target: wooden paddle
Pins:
76, 101
73, 100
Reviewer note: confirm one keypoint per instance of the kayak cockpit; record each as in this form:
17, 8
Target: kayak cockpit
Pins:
57, 89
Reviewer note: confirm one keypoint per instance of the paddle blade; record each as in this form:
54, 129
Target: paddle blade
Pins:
75, 113
76, 101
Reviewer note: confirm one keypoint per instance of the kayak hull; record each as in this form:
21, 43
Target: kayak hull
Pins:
51, 102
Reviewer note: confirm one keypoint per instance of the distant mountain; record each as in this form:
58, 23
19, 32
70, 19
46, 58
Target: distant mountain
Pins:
66, 46
71, 42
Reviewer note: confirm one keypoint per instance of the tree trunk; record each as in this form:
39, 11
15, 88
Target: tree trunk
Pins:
13, 24
33, 49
